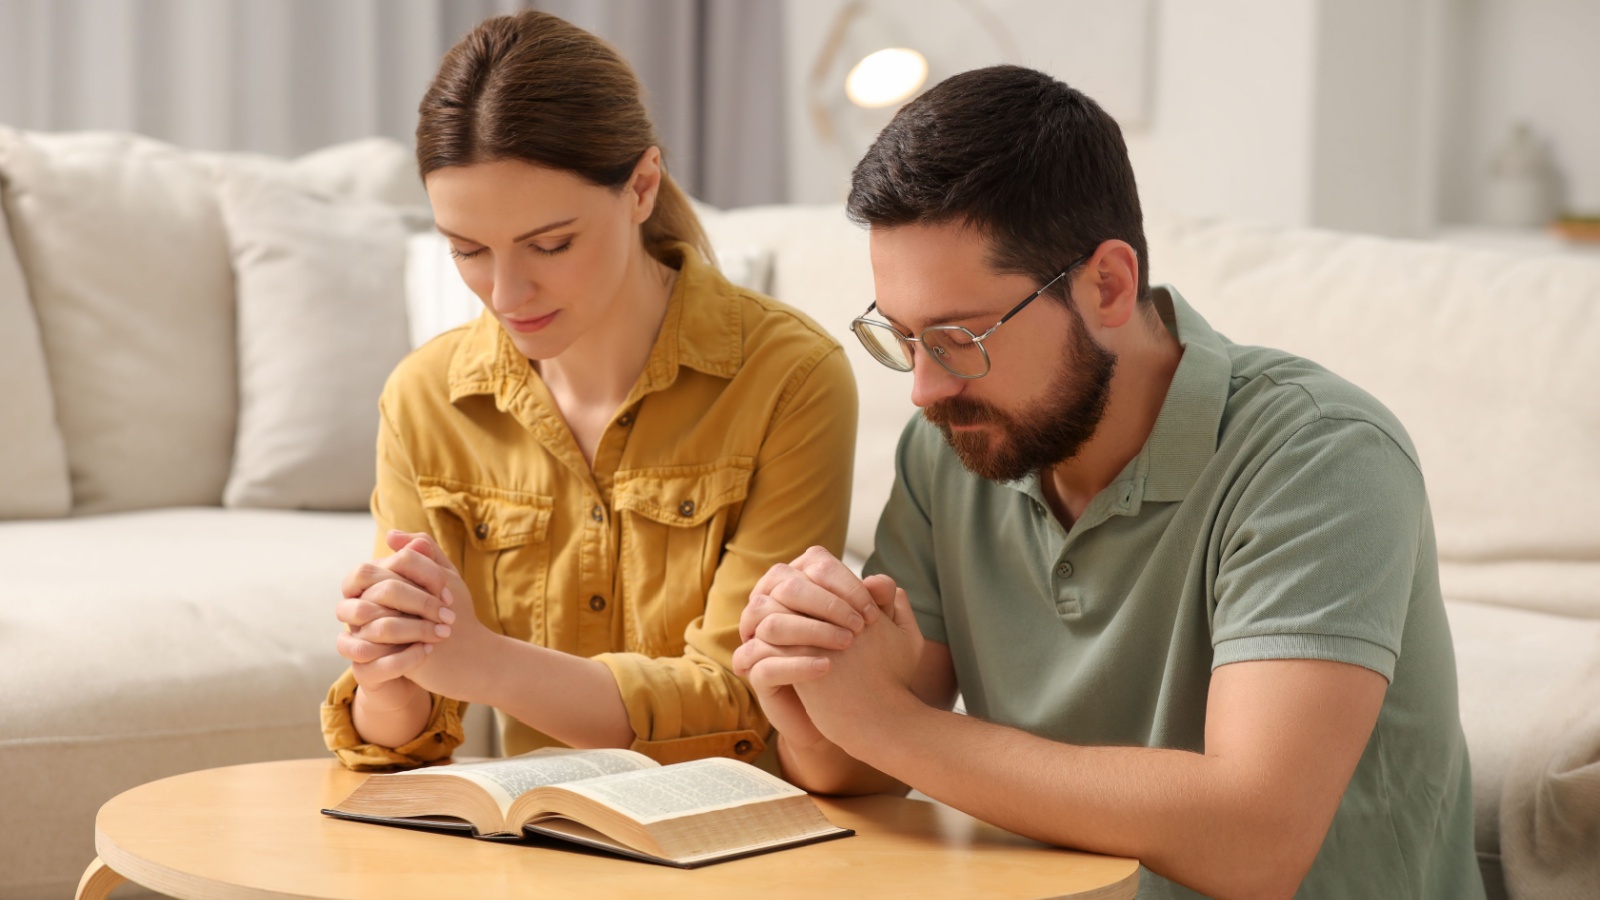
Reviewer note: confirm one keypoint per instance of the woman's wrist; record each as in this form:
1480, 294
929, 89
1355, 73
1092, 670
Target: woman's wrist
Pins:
392, 713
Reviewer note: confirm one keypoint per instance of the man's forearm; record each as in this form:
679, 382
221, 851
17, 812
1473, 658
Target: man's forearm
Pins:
1189, 817
823, 768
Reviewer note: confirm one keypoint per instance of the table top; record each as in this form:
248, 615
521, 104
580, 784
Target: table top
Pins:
256, 831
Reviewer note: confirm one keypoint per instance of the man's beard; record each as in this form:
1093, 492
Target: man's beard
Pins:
1038, 438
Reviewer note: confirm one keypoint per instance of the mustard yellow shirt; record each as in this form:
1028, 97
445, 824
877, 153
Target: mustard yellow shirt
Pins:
733, 452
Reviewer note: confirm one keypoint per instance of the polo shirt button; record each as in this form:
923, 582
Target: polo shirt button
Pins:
482, 531
597, 603
625, 420
597, 513
741, 748
1064, 569
686, 508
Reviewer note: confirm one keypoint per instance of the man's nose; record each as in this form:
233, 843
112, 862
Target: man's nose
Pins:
931, 382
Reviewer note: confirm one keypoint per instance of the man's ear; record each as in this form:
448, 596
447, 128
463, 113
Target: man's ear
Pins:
1114, 277
644, 185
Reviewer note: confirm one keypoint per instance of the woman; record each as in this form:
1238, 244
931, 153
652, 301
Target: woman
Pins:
577, 492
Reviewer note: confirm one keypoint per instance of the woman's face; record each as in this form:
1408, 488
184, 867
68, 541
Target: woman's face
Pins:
546, 251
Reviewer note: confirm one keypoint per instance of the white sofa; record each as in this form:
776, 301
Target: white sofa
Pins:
190, 345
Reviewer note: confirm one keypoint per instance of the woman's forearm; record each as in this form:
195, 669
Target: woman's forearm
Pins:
570, 698
391, 715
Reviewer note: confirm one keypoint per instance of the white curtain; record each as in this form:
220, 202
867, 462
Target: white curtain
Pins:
713, 75
288, 76
272, 76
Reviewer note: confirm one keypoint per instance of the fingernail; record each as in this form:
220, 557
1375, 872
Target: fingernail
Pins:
872, 612
427, 648
442, 630
447, 598
447, 615
819, 664
857, 623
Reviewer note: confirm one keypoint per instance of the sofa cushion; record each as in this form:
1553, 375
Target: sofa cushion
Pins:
141, 645
1508, 663
33, 459
1489, 359
126, 262
320, 286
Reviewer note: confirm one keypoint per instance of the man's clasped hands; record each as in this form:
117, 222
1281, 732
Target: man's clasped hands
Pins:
823, 649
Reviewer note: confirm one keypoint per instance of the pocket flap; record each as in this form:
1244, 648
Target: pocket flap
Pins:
684, 495
495, 519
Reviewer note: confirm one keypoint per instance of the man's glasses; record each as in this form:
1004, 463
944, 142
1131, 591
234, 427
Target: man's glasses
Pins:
956, 348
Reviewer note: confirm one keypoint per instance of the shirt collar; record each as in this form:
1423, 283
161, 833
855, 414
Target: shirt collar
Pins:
1185, 434
702, 329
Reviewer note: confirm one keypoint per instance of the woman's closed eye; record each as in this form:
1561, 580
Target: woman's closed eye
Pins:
552, 251
457, 253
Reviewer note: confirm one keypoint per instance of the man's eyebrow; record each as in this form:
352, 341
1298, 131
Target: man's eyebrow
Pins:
958, 316
516, 240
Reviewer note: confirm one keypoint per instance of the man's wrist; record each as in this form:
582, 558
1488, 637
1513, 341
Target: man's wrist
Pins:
877, 739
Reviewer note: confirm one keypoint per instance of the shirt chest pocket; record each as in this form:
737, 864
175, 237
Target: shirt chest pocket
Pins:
498, 541
674, 522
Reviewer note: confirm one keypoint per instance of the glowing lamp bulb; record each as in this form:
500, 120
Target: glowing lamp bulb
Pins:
886, 77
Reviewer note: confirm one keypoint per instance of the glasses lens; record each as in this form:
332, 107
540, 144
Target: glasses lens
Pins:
957, 349
884, 343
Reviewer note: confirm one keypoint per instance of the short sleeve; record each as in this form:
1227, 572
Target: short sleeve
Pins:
1320, 553
903, 546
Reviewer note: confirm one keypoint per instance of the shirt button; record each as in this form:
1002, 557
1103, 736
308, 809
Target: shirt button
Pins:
482, 531
741, 748
597, 603
625, 420
597, 514
1064, 569
686, 508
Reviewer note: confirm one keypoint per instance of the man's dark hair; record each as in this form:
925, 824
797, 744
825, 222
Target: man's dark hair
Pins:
1035, 166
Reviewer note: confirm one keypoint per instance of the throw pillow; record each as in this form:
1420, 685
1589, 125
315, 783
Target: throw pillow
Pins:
33, 460
126, 264
322, 321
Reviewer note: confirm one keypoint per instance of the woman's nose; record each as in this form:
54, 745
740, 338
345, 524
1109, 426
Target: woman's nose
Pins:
512, 289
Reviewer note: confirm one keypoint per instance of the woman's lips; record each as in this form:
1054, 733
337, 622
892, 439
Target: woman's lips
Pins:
529, 326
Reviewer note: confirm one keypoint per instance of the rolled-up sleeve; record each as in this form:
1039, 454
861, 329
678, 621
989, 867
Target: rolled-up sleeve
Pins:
799, 496
395, 504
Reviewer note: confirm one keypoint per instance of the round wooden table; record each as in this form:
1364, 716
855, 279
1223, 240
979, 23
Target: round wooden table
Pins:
256, 831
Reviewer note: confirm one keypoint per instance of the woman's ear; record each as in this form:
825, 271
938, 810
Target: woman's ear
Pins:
1114, 276
645, 184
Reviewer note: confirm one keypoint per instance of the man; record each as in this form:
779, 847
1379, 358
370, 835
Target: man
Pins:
1187, 589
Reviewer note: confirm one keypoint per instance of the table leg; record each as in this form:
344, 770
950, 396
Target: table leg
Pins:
98, 881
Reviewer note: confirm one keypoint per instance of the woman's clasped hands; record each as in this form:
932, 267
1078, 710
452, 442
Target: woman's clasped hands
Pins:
409, 623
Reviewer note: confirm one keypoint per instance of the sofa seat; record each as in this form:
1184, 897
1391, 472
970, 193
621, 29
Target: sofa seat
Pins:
142, 645
1512, 665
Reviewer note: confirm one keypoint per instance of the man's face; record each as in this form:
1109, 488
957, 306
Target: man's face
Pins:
1048, 380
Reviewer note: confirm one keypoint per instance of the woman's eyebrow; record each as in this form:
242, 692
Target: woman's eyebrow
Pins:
516, 240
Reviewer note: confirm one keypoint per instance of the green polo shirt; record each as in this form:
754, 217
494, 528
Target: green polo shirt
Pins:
1276, 512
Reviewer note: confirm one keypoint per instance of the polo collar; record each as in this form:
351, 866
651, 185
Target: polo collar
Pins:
702, 329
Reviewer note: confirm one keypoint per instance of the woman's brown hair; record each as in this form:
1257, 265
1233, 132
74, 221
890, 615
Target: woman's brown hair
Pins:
536, 88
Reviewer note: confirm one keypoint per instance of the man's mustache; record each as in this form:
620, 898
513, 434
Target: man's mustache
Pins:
960, 411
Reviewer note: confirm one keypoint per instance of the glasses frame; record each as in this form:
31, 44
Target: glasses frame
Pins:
937, 354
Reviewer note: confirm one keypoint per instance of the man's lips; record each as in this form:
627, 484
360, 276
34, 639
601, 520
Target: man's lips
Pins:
529, 326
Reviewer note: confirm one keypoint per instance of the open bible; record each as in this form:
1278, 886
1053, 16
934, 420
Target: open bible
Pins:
685, 814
